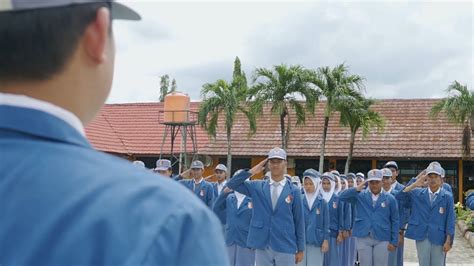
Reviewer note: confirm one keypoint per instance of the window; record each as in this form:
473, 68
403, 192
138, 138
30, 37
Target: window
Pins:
302, 164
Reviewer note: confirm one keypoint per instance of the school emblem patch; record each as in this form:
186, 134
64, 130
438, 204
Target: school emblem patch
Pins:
250, 205
383, 204
441, 210
334, 205
202, 193
289, 199
318, 211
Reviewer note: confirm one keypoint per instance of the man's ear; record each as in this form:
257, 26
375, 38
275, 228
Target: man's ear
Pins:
97, 36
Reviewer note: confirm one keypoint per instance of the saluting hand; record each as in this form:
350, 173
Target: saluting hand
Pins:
227, 190
186, 174
361, 186
260, 167
299, 257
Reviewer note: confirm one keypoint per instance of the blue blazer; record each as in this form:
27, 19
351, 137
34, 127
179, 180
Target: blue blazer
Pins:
433, 221
64, 203
382, 219
316, 221
402, 210
237, 219
283, 229
204, 190
346, 215
336, 215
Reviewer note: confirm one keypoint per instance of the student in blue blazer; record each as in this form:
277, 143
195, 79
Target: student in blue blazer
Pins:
328, 184
277, 229
238, 210
346, 225
377, 221
61, 201
221, 174
432, 220
316, 215
198, 185
352, 252
444, 185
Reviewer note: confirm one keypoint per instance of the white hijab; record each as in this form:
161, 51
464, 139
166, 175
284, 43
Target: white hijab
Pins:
311, 197
327, 195
338, 180
345, 183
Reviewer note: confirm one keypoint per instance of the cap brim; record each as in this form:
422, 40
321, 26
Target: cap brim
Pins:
161, 169
276, 157
373, 179
433, 172
120, 11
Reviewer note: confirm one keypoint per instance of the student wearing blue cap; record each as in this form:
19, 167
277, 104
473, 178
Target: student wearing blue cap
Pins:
221, 174
66, 203
277, 229
198, 185
237, 209
328, 184
139, 164
432, 220
316, 215
376, 223
163, 167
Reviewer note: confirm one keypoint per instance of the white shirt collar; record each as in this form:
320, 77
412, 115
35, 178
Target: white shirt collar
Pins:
198, 182
394, 184
282, 182
437, 191
32, 103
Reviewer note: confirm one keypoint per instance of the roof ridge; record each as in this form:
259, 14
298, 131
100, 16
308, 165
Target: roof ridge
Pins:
116, 134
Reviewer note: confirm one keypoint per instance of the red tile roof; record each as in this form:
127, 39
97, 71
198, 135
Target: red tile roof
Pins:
409, 133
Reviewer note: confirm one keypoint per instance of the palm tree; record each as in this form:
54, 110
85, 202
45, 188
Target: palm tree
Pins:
356, 114
335, 84
227, 99
281, 86
459, 109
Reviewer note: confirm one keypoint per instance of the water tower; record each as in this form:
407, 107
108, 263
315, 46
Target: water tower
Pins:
180, 124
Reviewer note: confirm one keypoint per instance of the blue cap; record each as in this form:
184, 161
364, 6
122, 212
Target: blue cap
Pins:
442, 169
118, 11
221, 167
386, 172
343, 177
329, 176
163, 165
434, 169
277, 153
391, 164
197, 165
311, 173
335, 172
374, 175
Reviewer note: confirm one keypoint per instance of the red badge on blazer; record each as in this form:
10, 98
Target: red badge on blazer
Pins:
250, 205
334, 205
289, 199
202, 193
318, 211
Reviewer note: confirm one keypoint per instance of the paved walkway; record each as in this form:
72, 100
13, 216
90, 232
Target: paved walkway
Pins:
461, 254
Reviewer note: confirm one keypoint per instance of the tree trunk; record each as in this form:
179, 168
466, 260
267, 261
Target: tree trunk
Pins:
282, 128
323, 144
229, 153
466, 140
351, 149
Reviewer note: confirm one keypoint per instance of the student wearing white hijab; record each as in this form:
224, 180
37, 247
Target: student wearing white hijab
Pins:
351, 247
316, 215
332, 258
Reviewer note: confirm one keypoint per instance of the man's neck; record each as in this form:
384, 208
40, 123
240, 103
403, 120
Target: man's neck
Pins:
221, 181
434, 189
197, 180
277, 178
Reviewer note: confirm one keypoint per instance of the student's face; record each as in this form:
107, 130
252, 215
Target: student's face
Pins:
386, 183
343, 185
309, 185
375, 186
220, 175
394, 174
277, 167
166, 173
326, 185
337, 185
434, 182
358, 181
196, 173
350, 182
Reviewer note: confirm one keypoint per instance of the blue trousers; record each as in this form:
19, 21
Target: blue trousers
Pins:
429, 254
268, 257
239, 256
312, 256
372, 252
332, 257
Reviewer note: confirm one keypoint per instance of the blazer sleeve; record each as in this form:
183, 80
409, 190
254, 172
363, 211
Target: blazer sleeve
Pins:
395, 221
299, 220
238, 183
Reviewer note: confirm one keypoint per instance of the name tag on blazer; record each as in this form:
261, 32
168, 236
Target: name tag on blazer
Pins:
250, 205
441, 210
334, 205
289, 199
318, 211
202, 193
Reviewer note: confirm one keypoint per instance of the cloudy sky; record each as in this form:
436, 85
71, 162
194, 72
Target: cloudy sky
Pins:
404, 49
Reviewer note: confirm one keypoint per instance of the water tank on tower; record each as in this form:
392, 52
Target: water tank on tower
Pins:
176, 108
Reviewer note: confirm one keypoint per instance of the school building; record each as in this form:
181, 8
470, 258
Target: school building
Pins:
133, 131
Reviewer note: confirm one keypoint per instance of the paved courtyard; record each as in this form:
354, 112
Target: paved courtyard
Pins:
462, 254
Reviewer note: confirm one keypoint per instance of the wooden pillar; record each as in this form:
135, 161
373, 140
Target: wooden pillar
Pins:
460, 180
374, 164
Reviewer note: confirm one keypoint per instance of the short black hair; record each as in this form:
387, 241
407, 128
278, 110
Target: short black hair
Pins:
36, 44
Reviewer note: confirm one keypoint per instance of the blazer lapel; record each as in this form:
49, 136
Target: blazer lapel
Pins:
266, 193
284, 194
